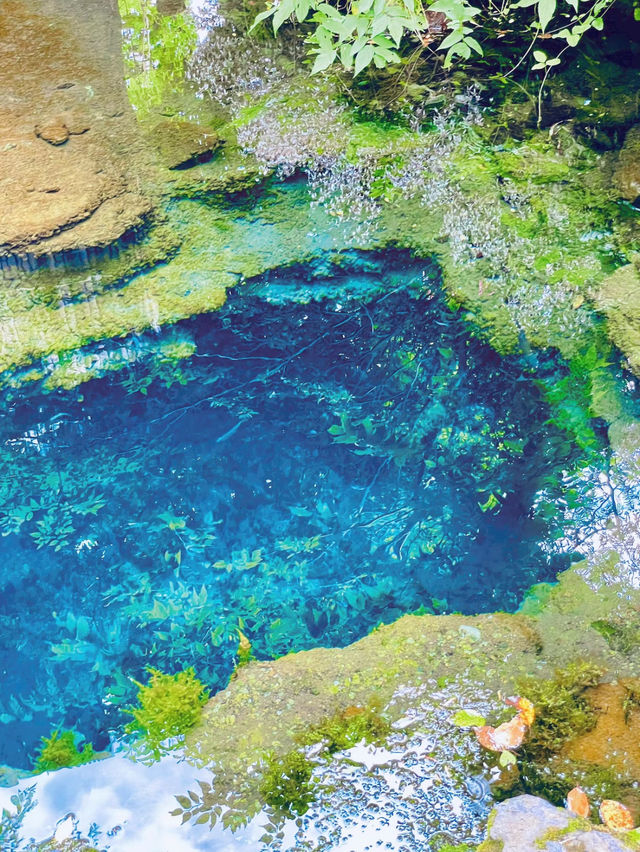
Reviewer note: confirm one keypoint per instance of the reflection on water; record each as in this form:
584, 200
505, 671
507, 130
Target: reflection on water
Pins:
408, 795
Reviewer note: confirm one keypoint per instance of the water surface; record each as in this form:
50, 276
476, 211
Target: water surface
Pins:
328, 451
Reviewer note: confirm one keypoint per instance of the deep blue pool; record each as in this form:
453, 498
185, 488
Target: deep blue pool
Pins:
336, 450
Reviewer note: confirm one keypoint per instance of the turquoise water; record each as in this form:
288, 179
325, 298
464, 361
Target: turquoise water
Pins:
328, 451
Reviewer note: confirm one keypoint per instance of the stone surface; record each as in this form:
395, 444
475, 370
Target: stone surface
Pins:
520, 822
183, 144
530, 824
619, 299
626, 176
65, 128
54, 131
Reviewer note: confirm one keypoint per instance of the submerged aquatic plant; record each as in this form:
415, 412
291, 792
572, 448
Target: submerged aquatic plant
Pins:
61, 749
169, 705
563, 710
348, 727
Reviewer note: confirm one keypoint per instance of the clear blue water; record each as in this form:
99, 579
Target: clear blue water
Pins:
310, 470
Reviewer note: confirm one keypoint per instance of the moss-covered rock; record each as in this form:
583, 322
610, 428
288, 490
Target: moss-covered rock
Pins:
618, 297
530, 824
626, 176
270, 706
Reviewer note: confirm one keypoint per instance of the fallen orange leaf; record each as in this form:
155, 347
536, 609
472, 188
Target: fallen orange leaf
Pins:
616, 816
527, 711
578, 803
505, 737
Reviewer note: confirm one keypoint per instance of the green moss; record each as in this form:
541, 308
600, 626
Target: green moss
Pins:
562, 709
286, 784
244, 654
60, 750
556, 834
169, 705
462, 847
623, 636
491, 846
347, 727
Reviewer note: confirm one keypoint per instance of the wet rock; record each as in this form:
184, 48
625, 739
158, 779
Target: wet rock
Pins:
183, 144
74, 169
520, 822
530, 824
626, 176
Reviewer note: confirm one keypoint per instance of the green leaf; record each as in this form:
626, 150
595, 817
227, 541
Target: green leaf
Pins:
363, 59
507, 758
261, 17
328, 10
363, 6
467, 719
451, 39
546, 11
323, 60
381, 41
302, 9
539, 56
346, 58
284, 11
597, 24
474, 45
396, 30
380, 24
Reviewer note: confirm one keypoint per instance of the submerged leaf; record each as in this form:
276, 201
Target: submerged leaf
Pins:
467, 719
616, 816
509, 735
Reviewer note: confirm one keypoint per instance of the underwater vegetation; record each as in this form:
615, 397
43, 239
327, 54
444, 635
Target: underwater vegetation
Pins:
61, 749
168, 706
286, 786
562, 709
149, 524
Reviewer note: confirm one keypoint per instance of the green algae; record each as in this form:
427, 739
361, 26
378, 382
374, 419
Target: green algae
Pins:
347, 727
286, 784
618, 297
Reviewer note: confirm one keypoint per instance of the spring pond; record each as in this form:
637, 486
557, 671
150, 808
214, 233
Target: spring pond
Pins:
329, 450
331, 367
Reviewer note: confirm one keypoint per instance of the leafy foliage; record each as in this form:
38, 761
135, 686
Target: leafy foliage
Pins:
169, 705
60, 750
372, 32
